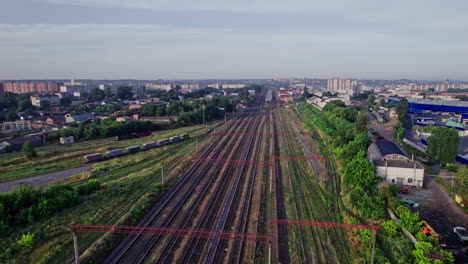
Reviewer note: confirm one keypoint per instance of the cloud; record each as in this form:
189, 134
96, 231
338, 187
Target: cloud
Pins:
164, 51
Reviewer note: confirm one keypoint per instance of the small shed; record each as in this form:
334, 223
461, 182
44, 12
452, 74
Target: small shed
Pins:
67, 140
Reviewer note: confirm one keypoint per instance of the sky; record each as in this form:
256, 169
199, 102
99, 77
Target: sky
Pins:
220, 39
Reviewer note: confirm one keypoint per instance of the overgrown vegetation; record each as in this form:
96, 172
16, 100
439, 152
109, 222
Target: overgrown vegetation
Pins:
26, 205
359, 176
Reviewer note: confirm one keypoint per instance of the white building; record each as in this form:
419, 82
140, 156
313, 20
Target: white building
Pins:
225, 85
342, 86
152, 87
37, 99
393, 165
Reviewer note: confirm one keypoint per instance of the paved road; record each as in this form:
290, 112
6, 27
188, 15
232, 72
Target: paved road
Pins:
44, 179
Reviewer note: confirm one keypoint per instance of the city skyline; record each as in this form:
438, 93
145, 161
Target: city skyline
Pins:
100, 39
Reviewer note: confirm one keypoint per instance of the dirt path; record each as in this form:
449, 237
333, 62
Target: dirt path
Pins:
44, 179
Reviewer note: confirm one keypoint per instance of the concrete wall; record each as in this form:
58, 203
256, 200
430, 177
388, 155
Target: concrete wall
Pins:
392, 174
414, 145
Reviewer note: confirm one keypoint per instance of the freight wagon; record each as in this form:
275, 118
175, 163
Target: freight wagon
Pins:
149, 145
113, 153
133, 149
93, 157
184, 136
163, 142
174, 139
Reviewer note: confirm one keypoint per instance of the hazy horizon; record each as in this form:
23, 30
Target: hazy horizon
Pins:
207, 39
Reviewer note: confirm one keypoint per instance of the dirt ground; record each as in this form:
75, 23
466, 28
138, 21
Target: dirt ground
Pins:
440, 211
44, 179
384, 129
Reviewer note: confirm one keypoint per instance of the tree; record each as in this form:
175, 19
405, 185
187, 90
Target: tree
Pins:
124, 92
95, 95
462, 174
371, 99
306, 93
11, 115
23, 105
108, 92
45, 105
424, 250
402, 109
148, 110
360, 172
362, 122
392, 104
28, 150
443, 144
66, 101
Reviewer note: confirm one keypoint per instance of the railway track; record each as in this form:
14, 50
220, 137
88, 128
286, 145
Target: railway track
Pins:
181, 204
282, 231
318, 245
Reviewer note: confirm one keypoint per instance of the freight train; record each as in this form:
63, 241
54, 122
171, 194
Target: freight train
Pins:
134, 149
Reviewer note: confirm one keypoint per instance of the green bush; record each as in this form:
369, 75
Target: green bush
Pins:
410, 221
369, 206
89, 187
27, 240
27, 204
390, 228
452, 167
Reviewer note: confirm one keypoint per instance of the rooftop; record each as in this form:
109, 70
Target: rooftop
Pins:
382, 148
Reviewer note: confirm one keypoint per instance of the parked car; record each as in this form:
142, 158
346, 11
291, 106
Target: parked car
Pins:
410, 203
461, 233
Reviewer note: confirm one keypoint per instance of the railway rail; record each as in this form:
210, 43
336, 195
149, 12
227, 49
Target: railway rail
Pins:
185, 203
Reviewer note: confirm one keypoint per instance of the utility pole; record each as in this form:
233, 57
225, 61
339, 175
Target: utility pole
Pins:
203, 106
75, 245
196, 143
162, 173
76, 249
269, 252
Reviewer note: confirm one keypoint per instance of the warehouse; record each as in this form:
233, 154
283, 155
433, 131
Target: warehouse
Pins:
394, 166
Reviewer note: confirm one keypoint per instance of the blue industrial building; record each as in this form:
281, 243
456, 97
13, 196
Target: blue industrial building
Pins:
418, 106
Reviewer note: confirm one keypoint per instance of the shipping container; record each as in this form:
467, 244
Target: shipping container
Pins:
93, 157
114, 153
133, 149
149, 145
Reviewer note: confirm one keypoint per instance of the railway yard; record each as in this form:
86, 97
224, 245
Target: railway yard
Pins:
231, 187
240, 183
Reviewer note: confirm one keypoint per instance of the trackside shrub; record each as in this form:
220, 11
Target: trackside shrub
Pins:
27, 240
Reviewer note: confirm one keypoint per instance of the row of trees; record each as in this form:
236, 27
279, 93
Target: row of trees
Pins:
105, 128
27, 204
